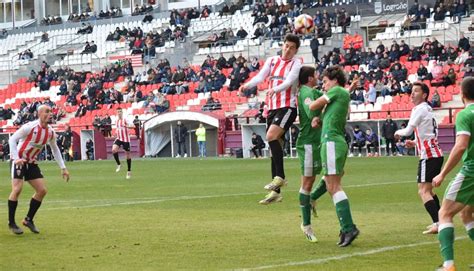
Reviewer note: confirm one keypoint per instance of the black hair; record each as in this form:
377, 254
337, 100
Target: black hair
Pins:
305, 73
293, 38
424, 88
467, 88
336, 73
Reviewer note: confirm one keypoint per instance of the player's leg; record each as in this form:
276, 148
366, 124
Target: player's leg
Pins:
185, 153
129, 163
40, 192
278, 123
17, 185
17, 174
427, 170
333, 157
254, 150
424, 191
115, 149
274, 135
448, 210
459, 194
467, 217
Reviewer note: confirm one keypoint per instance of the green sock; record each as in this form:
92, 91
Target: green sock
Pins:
343, 211
470, 230
305, 207
319, 190
446, 240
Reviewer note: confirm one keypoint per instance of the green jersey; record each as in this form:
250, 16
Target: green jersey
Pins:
308, 134
465, 126
335, 114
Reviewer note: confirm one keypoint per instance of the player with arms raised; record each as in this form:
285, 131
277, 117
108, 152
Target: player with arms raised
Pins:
282, 73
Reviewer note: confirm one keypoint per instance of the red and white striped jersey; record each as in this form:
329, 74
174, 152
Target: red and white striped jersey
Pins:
122, 130
282, 77
29, 140
424, 125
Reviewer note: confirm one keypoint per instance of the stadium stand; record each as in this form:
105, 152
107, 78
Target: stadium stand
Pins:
151, 87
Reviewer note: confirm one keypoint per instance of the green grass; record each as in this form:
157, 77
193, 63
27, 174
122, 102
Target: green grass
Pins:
203, 214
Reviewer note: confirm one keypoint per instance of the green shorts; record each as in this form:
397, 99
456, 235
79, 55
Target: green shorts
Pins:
333, 157
461, 189
310, 159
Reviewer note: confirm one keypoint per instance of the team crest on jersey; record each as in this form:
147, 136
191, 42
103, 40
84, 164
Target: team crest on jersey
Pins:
307, 101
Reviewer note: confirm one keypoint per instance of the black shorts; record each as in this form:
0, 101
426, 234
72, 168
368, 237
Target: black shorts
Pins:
124, 145
27, 172
282, 117
428, 169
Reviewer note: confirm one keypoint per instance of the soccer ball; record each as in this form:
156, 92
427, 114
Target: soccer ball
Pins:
304, 24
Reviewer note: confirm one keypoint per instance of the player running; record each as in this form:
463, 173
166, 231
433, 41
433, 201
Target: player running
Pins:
122, 140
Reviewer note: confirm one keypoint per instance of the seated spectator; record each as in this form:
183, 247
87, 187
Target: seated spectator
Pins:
148, 18
422, 73
439, 14
86, 29
372, 141
211, 105
359, 141
436, 99
450, 78
464, 43
241, 33
414, 54
357, 97
44, 37
463, 57
81, 111
202, 86
438, 75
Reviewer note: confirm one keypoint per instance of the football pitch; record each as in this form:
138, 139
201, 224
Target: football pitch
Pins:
203, 215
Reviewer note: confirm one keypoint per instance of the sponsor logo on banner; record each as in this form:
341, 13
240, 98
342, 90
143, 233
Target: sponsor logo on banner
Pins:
378, 7
395, 7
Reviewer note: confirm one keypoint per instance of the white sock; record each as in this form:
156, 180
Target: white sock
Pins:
339, 196
304, 192
469, 225
448, 264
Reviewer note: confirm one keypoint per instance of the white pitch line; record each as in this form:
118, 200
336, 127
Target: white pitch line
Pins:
159, 200
345, 256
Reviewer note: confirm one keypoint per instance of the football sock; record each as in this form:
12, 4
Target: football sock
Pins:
436, 199
305, 207
446, 241
273, 167
432, 209
34, 206
277, 156
470, 230
319, 190
129, 164
116, 156
11, 211
343, 211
